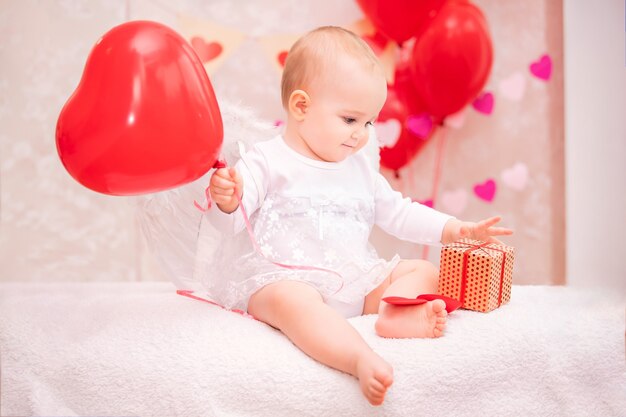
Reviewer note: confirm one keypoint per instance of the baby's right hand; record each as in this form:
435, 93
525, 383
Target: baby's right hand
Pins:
225, 182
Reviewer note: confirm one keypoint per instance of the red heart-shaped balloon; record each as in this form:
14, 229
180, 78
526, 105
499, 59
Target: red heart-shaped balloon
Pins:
408, 144
452, 59
144, 117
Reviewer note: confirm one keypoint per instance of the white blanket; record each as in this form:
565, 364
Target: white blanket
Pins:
141, 350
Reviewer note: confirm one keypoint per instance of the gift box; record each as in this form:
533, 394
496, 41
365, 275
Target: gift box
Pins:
478, 274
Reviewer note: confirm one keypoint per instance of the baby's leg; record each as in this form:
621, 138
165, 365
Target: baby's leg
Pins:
297, 309
409, 279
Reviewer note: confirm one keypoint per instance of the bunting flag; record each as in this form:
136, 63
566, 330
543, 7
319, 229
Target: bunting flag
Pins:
387, 57
362, 27
213, 43
276, 48
388, 60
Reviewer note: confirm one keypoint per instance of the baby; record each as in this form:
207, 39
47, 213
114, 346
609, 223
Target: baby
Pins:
313, 199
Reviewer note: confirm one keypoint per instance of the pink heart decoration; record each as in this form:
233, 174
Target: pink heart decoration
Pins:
388, 132
429, 203
513, 87
516, 177
486, 191
420, 125
206, 51
454, 202
484, 103
542, 68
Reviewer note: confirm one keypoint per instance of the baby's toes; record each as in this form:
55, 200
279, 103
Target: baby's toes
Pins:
439, 307
376, 388
376, 393
440, 326
384, 378
376, 399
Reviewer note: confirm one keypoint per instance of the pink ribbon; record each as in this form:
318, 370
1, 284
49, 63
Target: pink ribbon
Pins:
207, 194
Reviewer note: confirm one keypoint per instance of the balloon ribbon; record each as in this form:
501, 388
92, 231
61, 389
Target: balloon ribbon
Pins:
207, 195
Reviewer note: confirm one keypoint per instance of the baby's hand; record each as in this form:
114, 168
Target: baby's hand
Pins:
483, 230
225, 182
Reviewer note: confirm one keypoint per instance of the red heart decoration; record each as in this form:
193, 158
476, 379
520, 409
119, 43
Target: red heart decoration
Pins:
282, 57
143, 118
451, 303
206, 51
403, 301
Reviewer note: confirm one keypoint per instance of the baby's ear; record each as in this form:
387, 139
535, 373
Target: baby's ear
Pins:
299, 102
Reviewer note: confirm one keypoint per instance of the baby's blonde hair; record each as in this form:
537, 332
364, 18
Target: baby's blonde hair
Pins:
316, 52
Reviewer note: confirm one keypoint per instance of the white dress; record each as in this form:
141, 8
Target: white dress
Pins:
312, 213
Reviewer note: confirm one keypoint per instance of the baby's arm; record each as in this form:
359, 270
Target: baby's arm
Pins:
418, 223
404, 219
226, 184
482, 230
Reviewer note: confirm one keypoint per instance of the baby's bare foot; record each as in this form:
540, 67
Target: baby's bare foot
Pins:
424, 320
375, 377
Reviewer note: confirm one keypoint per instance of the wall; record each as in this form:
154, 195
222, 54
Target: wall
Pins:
53, 229
595, 94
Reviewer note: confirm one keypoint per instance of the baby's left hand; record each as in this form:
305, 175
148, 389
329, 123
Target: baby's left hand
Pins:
484, 231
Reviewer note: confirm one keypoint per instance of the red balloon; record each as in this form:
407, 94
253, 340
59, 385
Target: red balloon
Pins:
401, 19
144, 117
452, 59
408, 144
403, 82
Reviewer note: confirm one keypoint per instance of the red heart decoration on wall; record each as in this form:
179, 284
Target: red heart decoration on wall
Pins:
143, 118
206, 51
282, 57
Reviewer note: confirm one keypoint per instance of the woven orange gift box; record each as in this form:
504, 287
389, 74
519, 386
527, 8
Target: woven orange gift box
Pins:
478, 274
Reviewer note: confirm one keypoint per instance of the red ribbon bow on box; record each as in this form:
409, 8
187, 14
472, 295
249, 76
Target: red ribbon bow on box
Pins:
470, 248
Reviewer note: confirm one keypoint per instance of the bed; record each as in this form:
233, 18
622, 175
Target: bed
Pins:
139, 349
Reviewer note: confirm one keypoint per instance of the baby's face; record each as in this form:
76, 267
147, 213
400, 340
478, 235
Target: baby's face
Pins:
343, 106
